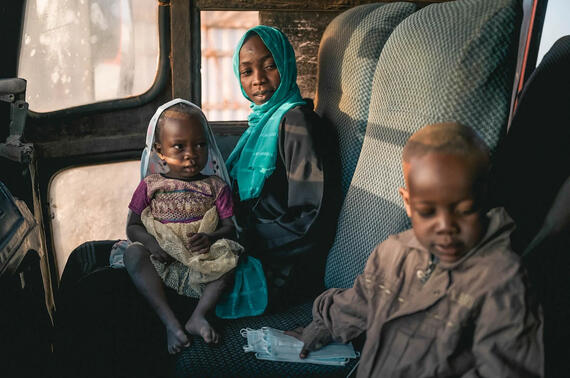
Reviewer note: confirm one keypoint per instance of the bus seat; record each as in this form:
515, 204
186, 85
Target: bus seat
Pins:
85, 259
348, 53
532, 165
430, 70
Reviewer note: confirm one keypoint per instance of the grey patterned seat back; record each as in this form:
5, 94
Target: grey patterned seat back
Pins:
348, 54
446, 62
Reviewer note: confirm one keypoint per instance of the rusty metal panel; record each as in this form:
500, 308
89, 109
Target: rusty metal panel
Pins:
180, 40
304, 29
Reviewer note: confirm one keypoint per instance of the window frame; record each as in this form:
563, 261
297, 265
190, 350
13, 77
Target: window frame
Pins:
536, 36
530, 54
159, 84
219, 128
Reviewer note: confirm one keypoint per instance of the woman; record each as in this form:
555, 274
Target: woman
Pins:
282, 173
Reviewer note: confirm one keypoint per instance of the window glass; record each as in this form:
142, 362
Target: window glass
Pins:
90, 203
555, 26
77, 52
222, 99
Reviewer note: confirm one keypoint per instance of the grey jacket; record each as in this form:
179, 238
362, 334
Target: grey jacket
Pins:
472, 318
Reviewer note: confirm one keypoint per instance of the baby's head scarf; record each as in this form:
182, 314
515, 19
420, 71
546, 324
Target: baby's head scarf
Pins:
253, 159
151, 163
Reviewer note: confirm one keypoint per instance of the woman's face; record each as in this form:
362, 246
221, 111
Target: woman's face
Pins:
258, 72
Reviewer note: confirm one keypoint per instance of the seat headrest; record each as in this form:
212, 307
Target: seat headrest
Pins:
446, 62
348, 55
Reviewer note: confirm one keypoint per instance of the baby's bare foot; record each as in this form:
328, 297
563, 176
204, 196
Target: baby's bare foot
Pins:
199, 326
176, 340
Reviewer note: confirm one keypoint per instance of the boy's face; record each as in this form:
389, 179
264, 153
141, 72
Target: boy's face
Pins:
258, 72
444, 204
183, 145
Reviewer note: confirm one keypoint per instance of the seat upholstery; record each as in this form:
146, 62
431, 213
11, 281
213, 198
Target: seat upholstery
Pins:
229, 360
348, 55
430, 70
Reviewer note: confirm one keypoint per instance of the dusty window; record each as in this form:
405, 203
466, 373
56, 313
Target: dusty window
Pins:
222, 99
555, 26
76, 52
90, 203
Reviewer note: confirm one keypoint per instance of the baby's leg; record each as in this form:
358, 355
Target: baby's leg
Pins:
198, 324
149, 283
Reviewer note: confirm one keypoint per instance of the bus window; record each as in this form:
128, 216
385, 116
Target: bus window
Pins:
220, 32
79, 52
90, 203
555, 26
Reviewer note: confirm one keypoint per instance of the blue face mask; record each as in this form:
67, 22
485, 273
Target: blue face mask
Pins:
274, 345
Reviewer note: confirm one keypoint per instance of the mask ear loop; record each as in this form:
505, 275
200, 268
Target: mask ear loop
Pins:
243, 332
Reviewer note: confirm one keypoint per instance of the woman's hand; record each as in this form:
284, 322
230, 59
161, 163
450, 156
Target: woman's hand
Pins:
199, 243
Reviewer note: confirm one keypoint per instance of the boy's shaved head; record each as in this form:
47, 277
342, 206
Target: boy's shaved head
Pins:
446, 138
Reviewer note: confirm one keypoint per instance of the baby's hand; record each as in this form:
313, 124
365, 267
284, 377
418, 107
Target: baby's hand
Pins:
199, 243
311, 340
160, 255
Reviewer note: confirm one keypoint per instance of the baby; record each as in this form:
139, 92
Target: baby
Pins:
448, 297
180, 223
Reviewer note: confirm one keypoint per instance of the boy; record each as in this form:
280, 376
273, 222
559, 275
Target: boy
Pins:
449, 297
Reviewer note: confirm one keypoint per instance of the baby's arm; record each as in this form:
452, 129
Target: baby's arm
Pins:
225, 230
201, 242
137, 232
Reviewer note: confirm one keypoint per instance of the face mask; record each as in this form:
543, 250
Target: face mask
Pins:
274, 345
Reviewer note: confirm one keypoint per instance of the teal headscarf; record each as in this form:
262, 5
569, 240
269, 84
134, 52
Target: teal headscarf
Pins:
253, 158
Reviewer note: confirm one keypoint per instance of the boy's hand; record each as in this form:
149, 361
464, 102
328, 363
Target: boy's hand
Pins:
160, 255
311, 340
199, 243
